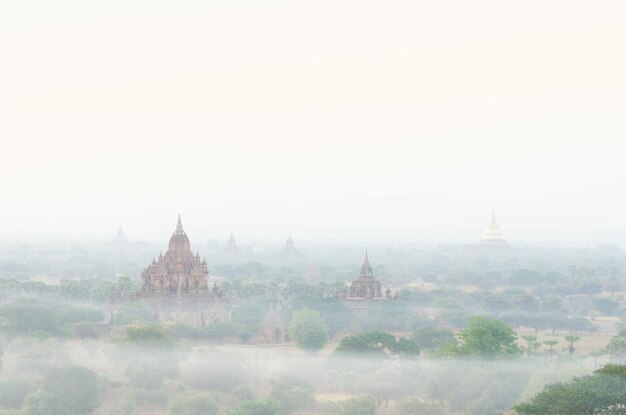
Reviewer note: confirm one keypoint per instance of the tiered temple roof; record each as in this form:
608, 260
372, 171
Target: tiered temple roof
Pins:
366, 286
231, 246
179, 271
290, 247
492, 235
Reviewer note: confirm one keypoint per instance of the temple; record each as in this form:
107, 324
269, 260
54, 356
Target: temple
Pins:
231, 245
176, 286
492, 236
366, 286
179, 271
120, 238
290, 248
273, 326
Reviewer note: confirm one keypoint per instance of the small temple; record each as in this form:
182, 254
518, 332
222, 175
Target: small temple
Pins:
231, 245
290, 247
366, 286
273, 326
120, 238
492, 236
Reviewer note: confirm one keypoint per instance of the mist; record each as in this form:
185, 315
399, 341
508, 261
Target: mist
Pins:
312, 208
338, 120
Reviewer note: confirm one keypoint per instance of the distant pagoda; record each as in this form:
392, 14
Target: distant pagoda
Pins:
290, 248
492, 236
366, 286
120, 238
231, 245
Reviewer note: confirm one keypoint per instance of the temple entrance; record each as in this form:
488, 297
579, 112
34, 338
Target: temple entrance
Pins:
278, 336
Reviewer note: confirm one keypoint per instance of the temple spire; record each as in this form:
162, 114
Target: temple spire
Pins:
492, 231
179, 224
366, 268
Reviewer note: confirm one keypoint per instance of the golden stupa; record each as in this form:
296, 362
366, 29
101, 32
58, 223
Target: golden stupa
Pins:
493, 234
492, 231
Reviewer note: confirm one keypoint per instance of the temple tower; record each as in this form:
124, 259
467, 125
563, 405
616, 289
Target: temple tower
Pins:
290, 247
492, 236
231, 245
366, 286
179, 271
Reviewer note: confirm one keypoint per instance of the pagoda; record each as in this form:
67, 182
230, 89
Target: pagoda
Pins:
231, 245
119, 240
179, 272
492, 236
290, 248
366, 286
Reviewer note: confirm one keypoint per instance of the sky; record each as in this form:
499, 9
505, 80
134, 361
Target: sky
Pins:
343, 119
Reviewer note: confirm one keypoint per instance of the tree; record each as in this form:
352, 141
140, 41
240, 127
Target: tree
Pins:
485, 338
571, 340
531, 344
336, 313
193, 403
430, 339
363, 405
71, 390
85, 330
129, 312
293, 394
13, 392
551, 344
617, 345
151, 335
606, 306
264, 407
418, 405
372, 343
600, 393
308, 329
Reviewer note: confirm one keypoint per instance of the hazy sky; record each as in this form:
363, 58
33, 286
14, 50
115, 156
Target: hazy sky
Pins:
324, 119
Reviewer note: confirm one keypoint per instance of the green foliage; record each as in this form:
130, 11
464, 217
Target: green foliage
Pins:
211, 331
250, 314
293, 394
308, 329
336, 314
133, 312
363, 405
71, 390
13, 392
417, 405
485, 338
606, 306
147, 373
85, 330
151, 335
145, 399
383, 316
600, 393
193, 403
430, 339
617, 345
32, 317
571, 339
371, 343
264, 407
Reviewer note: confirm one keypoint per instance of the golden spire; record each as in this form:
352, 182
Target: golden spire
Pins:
492, 231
